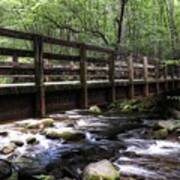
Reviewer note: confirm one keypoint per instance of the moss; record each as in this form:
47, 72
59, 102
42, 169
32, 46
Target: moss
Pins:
160, 134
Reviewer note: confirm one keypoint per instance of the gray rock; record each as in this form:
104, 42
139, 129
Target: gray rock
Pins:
102, 170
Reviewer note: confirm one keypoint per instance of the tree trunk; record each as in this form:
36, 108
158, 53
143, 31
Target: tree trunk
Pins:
172, 26
120, 21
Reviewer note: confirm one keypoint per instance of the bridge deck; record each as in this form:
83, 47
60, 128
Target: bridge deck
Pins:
75, 75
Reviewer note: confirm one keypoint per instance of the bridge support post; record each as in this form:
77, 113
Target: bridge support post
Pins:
166, 77
157, 76
173, 77
83, 77
146, 85
39, 78
112, 76
131, 77
15, 62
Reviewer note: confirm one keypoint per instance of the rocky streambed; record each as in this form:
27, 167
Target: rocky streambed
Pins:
63, 146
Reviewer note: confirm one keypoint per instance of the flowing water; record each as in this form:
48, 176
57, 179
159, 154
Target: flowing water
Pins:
123, 140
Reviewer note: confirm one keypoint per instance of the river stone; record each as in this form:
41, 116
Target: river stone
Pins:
95, 109
9, 148
29, 166
5, 169
170, 125
18, 142
102, 170
64, 133
160, 134
32, 140
3, 133
47, 122
36, 124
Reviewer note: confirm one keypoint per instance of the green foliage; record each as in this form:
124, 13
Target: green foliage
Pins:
44, 177
134, 105
150, 26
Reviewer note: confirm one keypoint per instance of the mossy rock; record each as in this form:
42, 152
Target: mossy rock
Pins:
18, 142
32, 140
102, 170
64, 133
47, 122
36, 124
160, 134
95, 110
8, 149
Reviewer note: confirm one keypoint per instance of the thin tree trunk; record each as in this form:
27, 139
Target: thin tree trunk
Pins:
172, 26
120, 21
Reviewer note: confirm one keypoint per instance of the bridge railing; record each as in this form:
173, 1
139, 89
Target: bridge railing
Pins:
82, 62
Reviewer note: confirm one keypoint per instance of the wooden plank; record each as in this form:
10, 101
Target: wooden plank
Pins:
131, 77
39, 78
165, 77
55, 41
98, 49
112, 76
16, 52
146, 85
83, 77
157, 77
16, 34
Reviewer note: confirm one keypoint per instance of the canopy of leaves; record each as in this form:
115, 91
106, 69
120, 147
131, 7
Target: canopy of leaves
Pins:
150, 27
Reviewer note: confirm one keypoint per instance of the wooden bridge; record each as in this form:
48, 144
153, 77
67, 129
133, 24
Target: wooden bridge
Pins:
50, 75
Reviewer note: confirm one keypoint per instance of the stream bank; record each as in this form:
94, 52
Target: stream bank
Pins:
125, 141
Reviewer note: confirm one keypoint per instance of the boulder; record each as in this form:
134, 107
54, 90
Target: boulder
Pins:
29, 165
5, 169
160, 134
9, 148
95, 110
102, 170
64, 133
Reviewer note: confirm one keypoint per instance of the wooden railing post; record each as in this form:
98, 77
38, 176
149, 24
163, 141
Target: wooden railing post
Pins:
15, 62
157, 76
112, 76
173, 77
166, 77
39, 77
146, 85
131, 76
83, 77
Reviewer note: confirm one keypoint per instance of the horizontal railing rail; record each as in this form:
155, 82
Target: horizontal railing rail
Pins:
79, 61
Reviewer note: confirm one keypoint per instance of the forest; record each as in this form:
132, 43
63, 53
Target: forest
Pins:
150, 27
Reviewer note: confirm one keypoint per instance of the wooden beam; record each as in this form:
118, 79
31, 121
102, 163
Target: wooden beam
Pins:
16, 34
131, 77
83, 77
39, 78
112, 76
146, 85
165, 77
157, 68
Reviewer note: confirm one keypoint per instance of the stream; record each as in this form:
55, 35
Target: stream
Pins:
125, 141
